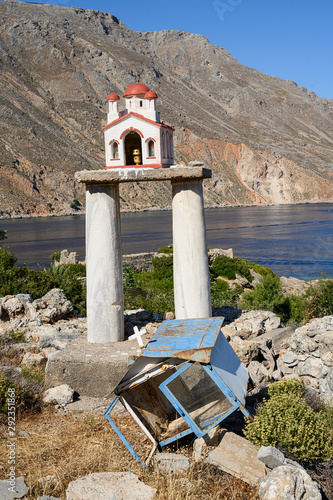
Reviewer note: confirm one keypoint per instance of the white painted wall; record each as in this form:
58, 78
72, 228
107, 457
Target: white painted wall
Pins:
147, 129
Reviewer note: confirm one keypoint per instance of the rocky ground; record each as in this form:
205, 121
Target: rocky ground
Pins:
270, 352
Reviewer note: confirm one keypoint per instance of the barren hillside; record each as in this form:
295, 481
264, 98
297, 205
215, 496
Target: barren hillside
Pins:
266, 139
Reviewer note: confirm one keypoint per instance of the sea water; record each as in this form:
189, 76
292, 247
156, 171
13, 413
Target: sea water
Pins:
293, 240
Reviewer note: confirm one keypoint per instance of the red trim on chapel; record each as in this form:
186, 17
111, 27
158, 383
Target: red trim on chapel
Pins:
131, 129
152, 165
138, 116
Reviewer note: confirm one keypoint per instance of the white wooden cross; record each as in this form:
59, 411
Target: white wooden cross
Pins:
137, 335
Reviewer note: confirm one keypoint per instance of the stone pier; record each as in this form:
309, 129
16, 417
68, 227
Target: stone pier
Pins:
105, 301
105, 308
190, 257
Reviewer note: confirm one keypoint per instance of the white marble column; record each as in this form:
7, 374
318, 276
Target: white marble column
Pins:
190, 259
105, 302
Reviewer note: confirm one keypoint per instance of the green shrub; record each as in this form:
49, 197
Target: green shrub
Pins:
222, 296
7, 259
31, 373
3, 234
56, 256
265, 295
286, 420
28, 393
152, 291
291, 309
319, 299
17, 336
226, 267
158, 302
168, 249
263, 271
128, 280
163, 267
5, 385
14, 280
75, 204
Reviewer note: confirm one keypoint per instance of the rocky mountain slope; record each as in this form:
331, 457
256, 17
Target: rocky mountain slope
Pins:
266, 139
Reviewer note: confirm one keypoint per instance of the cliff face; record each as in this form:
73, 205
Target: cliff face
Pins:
267, 140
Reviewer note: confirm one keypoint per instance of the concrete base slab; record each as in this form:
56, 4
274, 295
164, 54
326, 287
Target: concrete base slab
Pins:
90, 369
93, 406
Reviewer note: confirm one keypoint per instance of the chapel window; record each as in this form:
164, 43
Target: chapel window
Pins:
114, 150
151, 148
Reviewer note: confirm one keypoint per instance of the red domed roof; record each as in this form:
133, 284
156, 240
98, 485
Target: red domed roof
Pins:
151, 95
136, 89
113, 97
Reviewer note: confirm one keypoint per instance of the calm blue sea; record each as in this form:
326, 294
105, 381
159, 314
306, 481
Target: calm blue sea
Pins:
293, 240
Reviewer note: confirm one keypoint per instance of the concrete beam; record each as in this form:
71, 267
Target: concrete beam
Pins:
142, 174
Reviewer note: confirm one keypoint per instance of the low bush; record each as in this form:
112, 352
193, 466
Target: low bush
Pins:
27, 392
228, 268
319, 299
3, 234
291, 309
34, 374
265, 295
222, 296
7, 259
14, 280
263, 271
153, 291
168, 249
17, 336
75, 204
56, 256
286, 420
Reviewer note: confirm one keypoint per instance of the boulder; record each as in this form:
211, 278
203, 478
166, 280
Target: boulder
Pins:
254, 323
53, 306
279, 338
326, 387
171, 462
212, 438
12, 306
259, 374
109, 486
68, 257
31, 359
246, 350
310, 356
288, 483
238, 456
271, 456
62, 395
293, 285
9, 491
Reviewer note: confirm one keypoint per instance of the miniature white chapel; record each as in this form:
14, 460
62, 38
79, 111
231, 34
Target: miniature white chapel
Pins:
136, 137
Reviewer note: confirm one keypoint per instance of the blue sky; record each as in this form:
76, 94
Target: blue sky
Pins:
291, 39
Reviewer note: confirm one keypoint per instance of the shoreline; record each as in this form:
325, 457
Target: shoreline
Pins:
166, 209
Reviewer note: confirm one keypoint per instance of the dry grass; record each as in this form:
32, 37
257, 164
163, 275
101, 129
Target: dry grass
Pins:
71, 446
